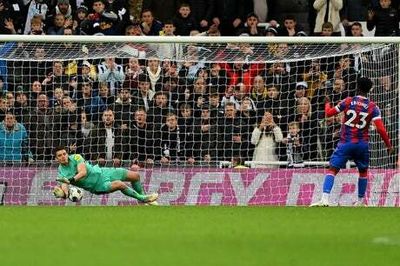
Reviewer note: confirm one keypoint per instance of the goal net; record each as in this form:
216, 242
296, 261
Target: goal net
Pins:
232, 121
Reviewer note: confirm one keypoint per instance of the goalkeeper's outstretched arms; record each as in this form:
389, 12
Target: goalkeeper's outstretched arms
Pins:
81, 173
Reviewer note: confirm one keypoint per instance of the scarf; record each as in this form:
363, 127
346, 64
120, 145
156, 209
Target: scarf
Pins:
153, 77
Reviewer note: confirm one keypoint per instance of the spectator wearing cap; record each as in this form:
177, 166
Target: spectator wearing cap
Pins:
251, 27
81, 14
112, 73
290, 27
64, 7
88, 71
240, 92
14, 140
53, 22
271, 31
123, 107
119, 7
299, 92
81, 71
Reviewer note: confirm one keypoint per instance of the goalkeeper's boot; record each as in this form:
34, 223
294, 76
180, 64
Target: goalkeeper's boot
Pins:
153, 203
150, 198
321, 203
359, 203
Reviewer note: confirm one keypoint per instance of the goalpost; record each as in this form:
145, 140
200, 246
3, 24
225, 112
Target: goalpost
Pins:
185, 110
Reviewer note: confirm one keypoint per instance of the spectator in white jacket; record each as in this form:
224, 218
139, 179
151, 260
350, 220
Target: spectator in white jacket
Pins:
112, 73
328, 11
266, 137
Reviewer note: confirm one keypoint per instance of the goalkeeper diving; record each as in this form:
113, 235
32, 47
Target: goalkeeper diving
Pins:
74, 170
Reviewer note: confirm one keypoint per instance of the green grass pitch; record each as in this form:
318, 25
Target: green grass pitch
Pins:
166, 236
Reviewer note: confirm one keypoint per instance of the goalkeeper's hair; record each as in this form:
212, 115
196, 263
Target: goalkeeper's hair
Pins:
59, 148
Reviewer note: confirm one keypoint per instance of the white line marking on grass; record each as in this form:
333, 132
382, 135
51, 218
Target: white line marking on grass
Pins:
389, 241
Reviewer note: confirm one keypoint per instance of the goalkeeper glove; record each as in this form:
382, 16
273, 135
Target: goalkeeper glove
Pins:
59, 193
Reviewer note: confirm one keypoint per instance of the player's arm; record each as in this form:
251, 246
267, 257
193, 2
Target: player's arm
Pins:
329, 110
380, 127
81, 172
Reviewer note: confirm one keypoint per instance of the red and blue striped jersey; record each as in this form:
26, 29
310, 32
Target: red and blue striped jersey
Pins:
358, 113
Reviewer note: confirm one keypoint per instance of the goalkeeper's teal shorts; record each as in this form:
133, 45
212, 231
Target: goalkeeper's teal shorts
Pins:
109, 174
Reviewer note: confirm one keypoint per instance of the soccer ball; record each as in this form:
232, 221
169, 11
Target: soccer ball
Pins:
75, 194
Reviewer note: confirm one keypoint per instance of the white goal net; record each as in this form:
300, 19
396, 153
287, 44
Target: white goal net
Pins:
232, 123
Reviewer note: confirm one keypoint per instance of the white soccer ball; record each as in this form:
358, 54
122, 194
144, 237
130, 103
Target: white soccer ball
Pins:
75, 194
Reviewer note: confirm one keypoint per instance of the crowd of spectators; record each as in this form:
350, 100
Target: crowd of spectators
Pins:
172, 107
189, 17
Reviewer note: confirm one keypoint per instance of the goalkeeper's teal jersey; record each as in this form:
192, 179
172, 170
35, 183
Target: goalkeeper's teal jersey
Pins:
88, 182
